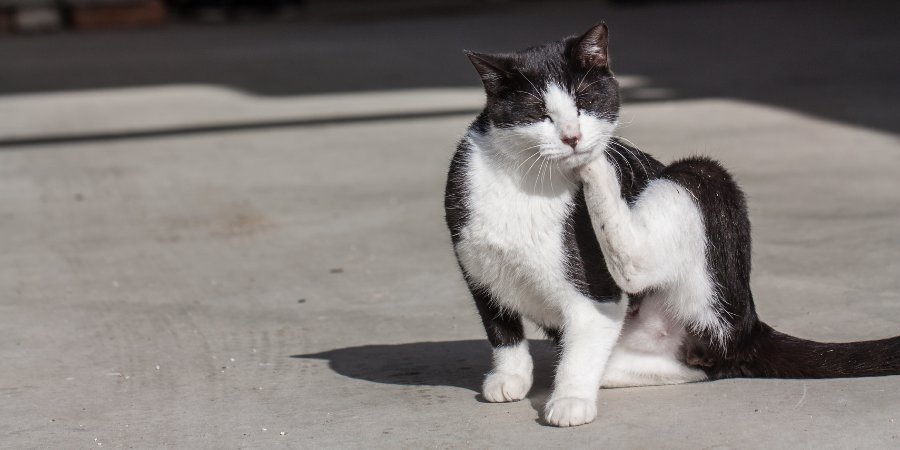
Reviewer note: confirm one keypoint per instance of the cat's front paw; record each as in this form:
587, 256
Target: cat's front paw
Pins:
505, 387
570, 411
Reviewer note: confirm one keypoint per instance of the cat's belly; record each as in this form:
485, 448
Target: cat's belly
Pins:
649, 351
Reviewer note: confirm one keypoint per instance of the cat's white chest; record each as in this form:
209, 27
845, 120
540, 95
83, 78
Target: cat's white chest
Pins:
512, 243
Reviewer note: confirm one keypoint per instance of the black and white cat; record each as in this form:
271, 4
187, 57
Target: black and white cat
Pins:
639, 271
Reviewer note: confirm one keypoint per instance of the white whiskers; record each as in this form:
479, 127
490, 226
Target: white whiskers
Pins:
532, 85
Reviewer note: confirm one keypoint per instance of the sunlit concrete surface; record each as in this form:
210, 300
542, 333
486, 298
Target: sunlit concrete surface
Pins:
201, 266
159, 291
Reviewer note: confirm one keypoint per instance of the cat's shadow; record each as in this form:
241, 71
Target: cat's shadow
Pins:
460, 364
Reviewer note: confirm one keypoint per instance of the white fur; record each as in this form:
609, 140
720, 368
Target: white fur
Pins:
658, 243
562, 110
647, 351
511, 377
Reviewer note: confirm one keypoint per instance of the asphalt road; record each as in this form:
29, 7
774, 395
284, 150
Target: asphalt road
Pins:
189, 262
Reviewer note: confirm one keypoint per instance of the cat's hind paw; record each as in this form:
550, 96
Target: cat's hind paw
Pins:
570, 411
505, 387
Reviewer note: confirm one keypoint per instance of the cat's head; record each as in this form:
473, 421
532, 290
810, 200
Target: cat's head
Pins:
559, 99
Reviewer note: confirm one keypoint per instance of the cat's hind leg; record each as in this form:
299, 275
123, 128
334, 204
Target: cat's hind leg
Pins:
627, 368
650, 350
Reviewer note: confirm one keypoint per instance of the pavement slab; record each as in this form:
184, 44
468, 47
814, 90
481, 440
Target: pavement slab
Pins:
219, 289
196, 265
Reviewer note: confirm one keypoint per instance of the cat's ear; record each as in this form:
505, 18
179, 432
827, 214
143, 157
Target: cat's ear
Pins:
592, 48
491, 68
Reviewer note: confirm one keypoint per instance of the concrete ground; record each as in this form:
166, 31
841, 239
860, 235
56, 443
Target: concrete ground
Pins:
194, 256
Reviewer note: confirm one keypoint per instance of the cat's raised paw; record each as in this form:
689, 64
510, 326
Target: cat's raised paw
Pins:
570, 411
592, 169
505, 387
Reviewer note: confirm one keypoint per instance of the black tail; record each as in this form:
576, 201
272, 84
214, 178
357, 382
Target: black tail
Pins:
771, 354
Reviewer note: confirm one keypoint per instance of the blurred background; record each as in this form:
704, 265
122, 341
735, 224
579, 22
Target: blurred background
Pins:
221, 222
824, 58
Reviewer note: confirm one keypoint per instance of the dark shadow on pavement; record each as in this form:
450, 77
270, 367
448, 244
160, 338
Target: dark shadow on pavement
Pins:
460, 364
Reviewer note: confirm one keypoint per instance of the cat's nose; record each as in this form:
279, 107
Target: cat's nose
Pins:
571, 139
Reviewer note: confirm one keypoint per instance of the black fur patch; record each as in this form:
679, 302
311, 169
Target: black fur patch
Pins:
585, 266
514, 83
455, 193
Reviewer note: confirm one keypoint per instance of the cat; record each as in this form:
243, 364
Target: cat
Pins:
639, 271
